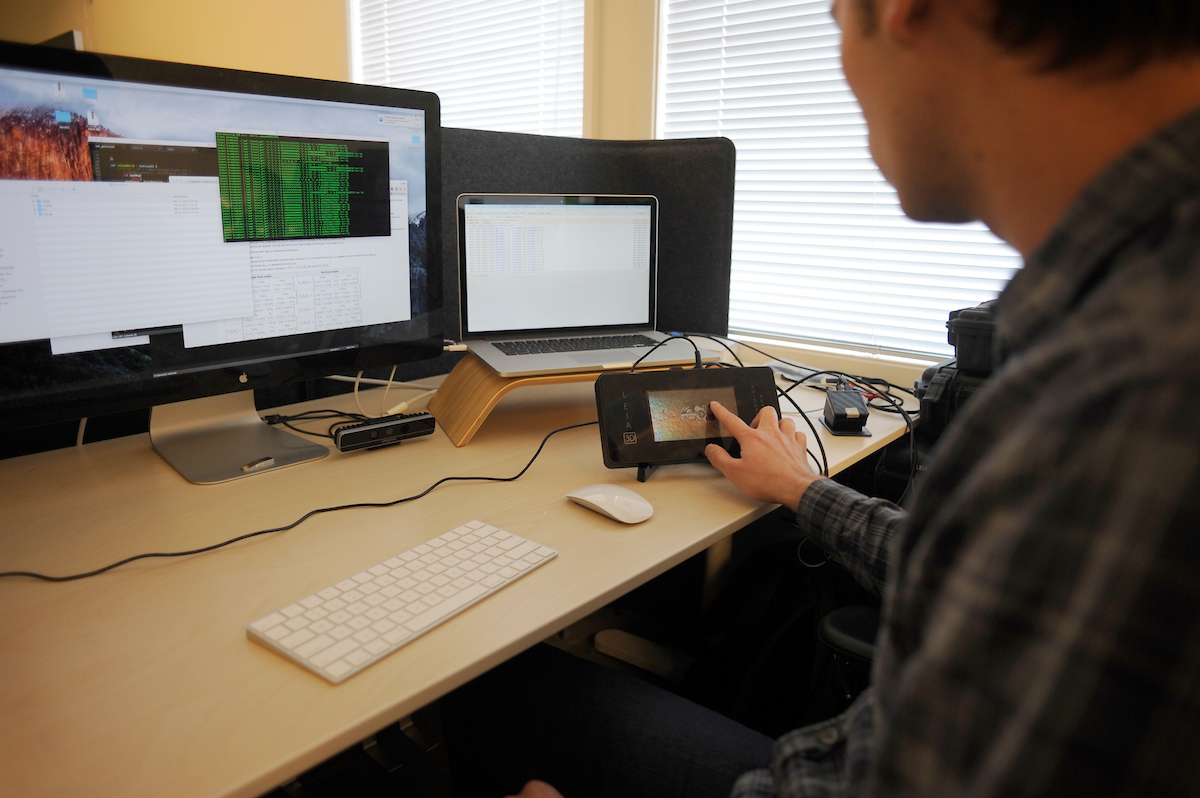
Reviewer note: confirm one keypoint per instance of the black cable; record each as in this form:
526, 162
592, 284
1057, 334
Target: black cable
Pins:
312, 415
664, 342
301, 519
728, 349
824, 464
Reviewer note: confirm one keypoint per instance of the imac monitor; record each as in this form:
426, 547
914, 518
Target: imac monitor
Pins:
170, 233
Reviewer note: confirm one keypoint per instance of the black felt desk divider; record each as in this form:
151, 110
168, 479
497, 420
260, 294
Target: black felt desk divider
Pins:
692, 178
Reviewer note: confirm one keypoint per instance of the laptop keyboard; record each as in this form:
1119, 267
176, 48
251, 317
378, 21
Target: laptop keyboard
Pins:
551, 345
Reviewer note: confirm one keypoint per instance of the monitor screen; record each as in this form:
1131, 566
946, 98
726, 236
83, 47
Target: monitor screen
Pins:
169, 232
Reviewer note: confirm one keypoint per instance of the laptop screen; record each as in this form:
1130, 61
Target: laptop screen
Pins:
556, 263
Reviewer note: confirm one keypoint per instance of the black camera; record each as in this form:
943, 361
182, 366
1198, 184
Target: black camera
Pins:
947, 386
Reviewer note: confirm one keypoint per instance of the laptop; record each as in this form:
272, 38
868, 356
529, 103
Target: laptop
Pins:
557, 283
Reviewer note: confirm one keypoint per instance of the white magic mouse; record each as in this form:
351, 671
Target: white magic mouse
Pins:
616, 502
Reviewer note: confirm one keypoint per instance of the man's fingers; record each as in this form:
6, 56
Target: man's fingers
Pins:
718, 457
767, 417
735, 425
539, 789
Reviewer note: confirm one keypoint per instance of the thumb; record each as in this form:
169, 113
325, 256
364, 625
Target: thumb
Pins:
719, 457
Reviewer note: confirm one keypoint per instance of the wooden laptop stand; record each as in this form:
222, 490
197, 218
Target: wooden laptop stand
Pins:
472, 389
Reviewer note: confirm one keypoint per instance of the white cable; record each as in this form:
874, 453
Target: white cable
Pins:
79, 435
403, 406
383, 401
357, 401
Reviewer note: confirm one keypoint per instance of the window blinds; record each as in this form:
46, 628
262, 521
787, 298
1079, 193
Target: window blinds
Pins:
510, 65
821, 249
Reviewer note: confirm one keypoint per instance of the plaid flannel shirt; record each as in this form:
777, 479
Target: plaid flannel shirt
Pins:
1041, 621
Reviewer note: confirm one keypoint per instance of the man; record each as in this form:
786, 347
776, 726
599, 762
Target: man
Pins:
1041, 623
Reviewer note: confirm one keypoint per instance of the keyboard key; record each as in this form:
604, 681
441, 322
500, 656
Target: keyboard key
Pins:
297, 638
319, 643
263, 624
396, 635
338, 669
358, 657
337, 651
517, 552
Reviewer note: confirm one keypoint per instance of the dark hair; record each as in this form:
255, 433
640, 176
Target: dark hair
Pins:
1078, 31
1074, 32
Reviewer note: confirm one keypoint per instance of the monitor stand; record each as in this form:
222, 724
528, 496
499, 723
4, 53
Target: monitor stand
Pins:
220, 438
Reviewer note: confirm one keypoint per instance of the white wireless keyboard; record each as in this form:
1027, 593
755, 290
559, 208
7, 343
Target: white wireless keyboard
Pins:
338, 631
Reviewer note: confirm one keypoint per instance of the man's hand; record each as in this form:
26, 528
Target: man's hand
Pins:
538, 789
773, 466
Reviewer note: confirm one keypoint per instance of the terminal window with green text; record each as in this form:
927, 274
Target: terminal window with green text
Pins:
277, 187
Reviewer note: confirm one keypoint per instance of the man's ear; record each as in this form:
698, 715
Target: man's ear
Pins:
903, 20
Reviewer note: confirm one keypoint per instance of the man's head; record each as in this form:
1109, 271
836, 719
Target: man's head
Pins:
956, 92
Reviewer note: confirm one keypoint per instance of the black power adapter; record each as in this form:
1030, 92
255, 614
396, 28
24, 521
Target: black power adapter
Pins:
846, 413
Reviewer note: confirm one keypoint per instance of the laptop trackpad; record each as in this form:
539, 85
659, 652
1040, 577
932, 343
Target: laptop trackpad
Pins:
607, 356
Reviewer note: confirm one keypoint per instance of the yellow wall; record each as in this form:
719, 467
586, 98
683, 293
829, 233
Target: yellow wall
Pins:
310, 38
619, 68
294, 37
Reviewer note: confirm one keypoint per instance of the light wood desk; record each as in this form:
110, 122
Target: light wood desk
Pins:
142, 682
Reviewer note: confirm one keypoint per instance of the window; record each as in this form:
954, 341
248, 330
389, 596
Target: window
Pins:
821, 249
511, 65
